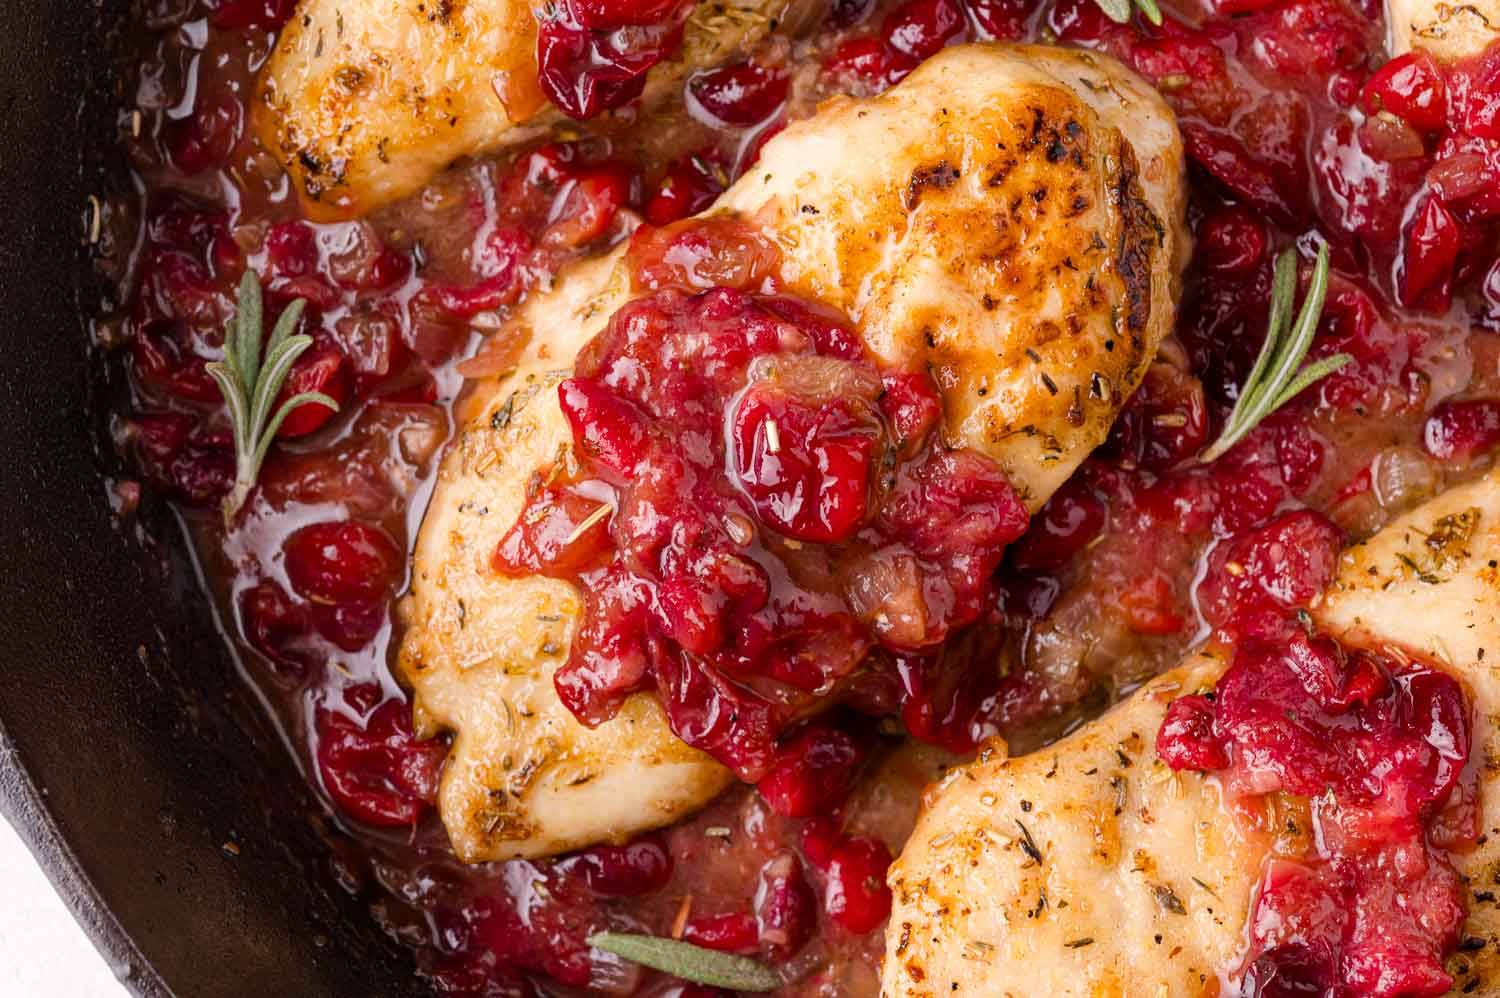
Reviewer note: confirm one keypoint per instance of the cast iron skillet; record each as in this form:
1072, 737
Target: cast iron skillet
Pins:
129, 753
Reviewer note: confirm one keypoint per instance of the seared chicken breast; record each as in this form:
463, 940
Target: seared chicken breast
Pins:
363, 101
1450, 31
1012, 220
1090, 869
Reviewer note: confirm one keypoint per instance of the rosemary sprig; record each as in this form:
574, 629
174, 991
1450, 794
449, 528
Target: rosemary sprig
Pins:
1278, 376
1119, 10
250, 381
689, 962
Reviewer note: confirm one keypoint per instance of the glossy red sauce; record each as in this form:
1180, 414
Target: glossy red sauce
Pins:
758, 505
1292, 125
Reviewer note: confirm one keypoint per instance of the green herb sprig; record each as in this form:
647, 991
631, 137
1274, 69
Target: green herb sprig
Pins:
689, 962
1119, 11
250, 381
1278, 375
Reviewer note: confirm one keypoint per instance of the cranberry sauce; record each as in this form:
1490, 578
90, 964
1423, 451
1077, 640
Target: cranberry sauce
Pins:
1359, 767
757, 504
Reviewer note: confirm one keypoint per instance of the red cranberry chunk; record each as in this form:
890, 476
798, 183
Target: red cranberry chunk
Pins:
371, 764
855, 895
813, 771
1460, 431
342, 562
738, 95
1411, 87
316, 371
730, 932
622, 871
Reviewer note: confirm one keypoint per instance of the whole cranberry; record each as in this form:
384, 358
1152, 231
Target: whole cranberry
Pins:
1282, 565
1411, 87
342, 562
1232, 241
740, 94
371, 764
856, 896
1462, 430
919, 28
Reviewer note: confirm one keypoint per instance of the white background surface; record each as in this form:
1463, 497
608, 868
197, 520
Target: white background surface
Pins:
43, 952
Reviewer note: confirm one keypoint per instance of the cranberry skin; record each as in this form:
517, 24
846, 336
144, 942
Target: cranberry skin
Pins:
375, 769
609, 430
556, 537
919, 28
292, 250
323, 371
238, 15
1072, 518
1000, 20
1429, 249
1232, 241
1280, 566
180, 459
690, 185
856, 896
610, 14
586, 71
813, 771
807, 471
630, 870
738, 95
1187, 739
1411, 87
162, 360
342, 562
274, 625
785, 910
731, 932
870, 60
589, 208
206, 138
1460, 431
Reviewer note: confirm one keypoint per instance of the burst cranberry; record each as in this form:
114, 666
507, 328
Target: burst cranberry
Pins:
855, 895
1280, 566
785, 910
342, 562
350, 626
1476, 98
589, 208
611, 14
1187, 740
501, 280
813, 771
623, 871
609, 429
1232, 241
1000, 20
806, 469
237, 15
192, 466
690, 185
1429, 249
1411, 87
371, 764
1227, 159
322, 371
1459, 431
919, 28
205, 139
870, 60
1072, 518
740, 94
730, 932
164, 360
1164, 423
276, 627
585, 71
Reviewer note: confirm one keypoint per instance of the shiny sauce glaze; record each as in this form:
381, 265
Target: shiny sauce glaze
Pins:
1294, 124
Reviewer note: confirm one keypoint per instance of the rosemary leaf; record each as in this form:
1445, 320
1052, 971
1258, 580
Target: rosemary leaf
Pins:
1278, 375
1116, 10
689, 962
250, 380
1151, 10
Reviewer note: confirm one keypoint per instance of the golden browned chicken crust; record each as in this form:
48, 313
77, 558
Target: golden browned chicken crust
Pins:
363, 101
995, 221
1146, 877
